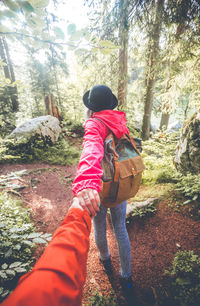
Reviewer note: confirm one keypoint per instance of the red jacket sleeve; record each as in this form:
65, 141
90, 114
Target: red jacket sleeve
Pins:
58, 277
89, 170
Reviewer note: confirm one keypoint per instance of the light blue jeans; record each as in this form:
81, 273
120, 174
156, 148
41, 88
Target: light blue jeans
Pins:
118, 218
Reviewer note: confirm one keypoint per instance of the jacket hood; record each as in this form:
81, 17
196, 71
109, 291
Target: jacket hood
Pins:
114, 120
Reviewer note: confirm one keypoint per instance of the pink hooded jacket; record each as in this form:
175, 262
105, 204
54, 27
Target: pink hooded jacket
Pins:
89, 170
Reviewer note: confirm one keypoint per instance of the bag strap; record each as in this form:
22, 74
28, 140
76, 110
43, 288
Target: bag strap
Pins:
115, 183
115, 153
131, 139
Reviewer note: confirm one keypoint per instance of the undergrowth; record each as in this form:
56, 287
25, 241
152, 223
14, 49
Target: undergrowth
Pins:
74, 128
97, 299
154, 191
189, 186
141, 212
177, 202
185, 278
17, 242
186, 195
38, 149
158, 154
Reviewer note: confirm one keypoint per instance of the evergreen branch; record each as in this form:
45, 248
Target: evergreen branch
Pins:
38, 39
50, 41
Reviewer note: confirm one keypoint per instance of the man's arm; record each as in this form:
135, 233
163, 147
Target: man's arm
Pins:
59, 275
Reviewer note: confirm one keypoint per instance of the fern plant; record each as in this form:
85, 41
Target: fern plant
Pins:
185, 276
98, 299
189, 186
158, 154
17, 241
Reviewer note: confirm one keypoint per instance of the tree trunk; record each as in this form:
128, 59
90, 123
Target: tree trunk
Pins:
123, 55
12, 74
4, 60
187, 107
166, 106
13, 89
164, 121
152, 56
51, 107
55, 75
9, 73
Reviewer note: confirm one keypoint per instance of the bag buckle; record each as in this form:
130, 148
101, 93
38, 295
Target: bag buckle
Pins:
134, 171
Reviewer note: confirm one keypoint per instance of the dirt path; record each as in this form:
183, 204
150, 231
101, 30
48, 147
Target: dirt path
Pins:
154, 240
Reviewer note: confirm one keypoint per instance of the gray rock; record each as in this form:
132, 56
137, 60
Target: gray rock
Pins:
153, 128
187, 155
45, 126
138, 127
174, 126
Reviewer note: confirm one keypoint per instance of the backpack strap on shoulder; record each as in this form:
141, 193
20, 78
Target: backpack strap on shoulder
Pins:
113, 137
131, 139
100, 121
115, 184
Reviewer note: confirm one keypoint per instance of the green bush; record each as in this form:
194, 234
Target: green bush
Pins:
142, 212
39, 149
158, 155
185, 276
17, 241
162, 144
76, 128
61, 153
189, 186
158, 170
133, 131
102, 300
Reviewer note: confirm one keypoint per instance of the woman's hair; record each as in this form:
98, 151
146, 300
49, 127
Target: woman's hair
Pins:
88, 113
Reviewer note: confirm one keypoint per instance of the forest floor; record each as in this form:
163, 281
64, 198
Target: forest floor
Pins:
154, 239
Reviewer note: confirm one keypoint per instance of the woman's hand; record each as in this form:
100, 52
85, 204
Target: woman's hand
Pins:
89, 199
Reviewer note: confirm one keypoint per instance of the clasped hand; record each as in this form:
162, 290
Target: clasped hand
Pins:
89, 199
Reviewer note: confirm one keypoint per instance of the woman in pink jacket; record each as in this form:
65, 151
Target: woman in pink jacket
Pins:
100, 102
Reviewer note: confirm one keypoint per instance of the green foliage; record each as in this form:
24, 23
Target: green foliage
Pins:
16, 9
43, 81
158, 170
75, 127
185, 276
98, 299
7, 116
187, 196
189, 186
17, 240
73, 109
154, 191
71, 28
162, 144
38, 149
142, 212
31, 26
158, 154
178, 203
134, 132
61, 153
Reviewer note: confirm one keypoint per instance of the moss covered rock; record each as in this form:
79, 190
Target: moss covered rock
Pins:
187, 156
39, 139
